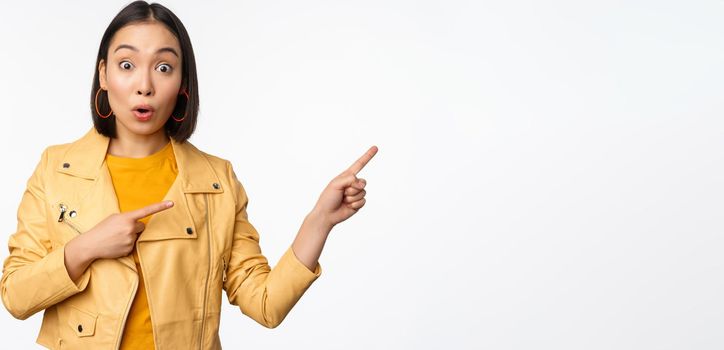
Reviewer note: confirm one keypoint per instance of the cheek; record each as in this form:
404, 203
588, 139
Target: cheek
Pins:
167, 91
117, 88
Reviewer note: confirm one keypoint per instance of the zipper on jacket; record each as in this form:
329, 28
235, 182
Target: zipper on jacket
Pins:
206, 287
63, 208
125, 315
223, 271
148, 294
61, 218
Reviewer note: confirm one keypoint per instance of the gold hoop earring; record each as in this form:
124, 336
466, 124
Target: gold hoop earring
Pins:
183, 92
98, 112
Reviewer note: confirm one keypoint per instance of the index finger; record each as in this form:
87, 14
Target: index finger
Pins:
362, 161
154, 208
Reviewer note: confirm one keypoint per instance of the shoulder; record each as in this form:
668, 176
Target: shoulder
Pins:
56, 151
53, 154
225, 172
228, 174
218, 164
222, 167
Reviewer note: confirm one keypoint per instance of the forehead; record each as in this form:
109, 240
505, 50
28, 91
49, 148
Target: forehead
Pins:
147, 37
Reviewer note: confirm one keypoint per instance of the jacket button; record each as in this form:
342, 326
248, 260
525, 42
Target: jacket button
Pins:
73, 213
216, 186
80, 328
66, 165
189, 230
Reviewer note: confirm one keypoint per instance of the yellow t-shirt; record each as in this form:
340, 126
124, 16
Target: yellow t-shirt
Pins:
139, 182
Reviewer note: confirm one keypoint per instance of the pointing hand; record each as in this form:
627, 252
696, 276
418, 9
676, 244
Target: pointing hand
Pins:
344, 195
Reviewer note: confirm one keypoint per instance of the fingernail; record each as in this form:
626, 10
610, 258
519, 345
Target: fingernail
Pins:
169, 203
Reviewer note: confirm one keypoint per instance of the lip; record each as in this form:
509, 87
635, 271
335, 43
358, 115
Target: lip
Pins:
145, 115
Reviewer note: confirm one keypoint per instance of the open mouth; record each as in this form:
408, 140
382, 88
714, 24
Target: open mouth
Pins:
143, 113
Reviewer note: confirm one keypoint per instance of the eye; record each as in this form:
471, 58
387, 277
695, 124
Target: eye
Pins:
164, 68
125, 65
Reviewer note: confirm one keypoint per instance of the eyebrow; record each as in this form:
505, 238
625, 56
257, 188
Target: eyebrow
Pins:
163, 49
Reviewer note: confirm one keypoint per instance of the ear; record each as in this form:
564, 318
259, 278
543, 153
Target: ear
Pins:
102, 74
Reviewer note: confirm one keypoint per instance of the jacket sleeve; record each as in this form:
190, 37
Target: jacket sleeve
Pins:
34, 274
264, 294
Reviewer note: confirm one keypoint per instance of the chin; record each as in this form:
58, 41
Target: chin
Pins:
142, 128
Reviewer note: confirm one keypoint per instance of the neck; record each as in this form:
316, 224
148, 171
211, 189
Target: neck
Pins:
130, 145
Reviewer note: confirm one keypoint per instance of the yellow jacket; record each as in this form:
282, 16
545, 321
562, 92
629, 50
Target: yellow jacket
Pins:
188, 253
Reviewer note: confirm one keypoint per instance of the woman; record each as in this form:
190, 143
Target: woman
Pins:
127, 236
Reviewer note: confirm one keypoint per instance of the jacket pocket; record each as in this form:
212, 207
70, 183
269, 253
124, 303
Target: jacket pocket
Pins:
82, 322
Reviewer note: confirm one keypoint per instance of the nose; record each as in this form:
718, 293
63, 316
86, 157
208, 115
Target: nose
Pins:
145, 86
145, 92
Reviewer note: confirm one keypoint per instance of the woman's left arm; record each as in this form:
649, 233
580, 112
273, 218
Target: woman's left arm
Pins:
341, 199
265, 294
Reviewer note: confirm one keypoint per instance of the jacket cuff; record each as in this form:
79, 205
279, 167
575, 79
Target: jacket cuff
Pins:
58, 274
298, 271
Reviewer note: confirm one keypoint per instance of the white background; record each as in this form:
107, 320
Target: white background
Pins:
549, 174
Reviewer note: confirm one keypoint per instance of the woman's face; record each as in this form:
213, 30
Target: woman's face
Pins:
142, 77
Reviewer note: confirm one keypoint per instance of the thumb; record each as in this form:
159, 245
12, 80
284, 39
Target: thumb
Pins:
139, 227
343, 181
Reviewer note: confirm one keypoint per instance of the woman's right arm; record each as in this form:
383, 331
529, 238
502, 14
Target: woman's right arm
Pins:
34, 274
78, 256
112, 238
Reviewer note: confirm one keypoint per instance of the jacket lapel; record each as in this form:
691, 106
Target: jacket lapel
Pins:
85, 159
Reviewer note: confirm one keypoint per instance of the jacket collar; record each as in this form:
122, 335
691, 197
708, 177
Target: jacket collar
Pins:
86, 156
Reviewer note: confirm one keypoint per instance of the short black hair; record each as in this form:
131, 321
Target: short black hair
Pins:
139, 12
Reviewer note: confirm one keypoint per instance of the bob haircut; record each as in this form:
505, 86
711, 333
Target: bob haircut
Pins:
140, 12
